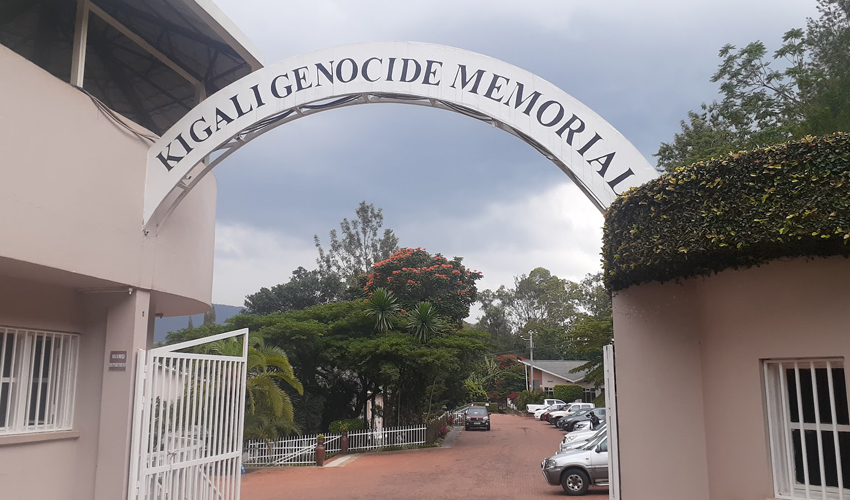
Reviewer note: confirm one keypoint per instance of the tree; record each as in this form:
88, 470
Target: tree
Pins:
414, 275
494, 320
539, 304
209, 316
586, 338
338, 355
383, 305
304, 289
423, 322
358, 247
762, 104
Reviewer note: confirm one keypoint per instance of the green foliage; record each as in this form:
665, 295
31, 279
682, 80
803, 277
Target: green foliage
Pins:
762, 104
269, 412
568, 393
415, 276
788, 200
423, 323
383, 305
304, 289
340, 357
493, 407
474, 387
191, 333
599, 402
542, 305
586, 337
528, 398
359, 246
349, 424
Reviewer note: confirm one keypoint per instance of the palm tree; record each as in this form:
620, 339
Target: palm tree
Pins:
424, 323
383, 305
268, 411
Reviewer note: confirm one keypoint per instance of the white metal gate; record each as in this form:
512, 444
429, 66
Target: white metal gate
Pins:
611, 423
188, 419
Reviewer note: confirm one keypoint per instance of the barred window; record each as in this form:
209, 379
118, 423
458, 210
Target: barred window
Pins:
809, 426
38, 375
589, 395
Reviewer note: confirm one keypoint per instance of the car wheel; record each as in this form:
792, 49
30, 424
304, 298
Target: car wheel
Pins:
575, 482
488, 427
466, 427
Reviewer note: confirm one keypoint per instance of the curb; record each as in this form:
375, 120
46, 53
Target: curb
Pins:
451, 437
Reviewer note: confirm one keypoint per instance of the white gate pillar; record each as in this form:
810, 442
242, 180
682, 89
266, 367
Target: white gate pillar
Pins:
128, 325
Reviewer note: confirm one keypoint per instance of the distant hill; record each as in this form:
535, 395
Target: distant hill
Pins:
164, 326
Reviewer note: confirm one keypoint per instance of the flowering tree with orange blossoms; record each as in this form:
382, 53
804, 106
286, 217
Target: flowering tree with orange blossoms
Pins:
414, 275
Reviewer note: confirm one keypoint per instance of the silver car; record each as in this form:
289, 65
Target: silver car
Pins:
581, 439
579, 469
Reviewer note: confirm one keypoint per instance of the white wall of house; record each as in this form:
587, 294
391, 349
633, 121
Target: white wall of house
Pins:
702, 343
72, 248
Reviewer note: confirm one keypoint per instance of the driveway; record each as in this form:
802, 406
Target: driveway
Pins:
502, 463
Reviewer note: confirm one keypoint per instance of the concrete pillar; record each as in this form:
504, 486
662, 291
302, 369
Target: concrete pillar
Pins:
128, 325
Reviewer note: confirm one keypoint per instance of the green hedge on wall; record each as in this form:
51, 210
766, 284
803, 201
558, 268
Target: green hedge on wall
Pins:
568, 393
788, 200
599, 402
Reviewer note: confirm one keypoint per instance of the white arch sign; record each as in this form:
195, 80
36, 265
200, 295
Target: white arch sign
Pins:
588, 149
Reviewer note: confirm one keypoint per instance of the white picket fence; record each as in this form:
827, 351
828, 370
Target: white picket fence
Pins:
302, 450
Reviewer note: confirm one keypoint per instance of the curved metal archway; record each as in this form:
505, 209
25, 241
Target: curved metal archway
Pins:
588, 149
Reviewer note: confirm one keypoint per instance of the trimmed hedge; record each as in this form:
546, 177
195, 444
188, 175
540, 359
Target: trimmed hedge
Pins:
789, 200
599, 402
493, 407
349, 424
568, 393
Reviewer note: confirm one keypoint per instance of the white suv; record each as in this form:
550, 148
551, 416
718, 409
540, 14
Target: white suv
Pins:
569, 410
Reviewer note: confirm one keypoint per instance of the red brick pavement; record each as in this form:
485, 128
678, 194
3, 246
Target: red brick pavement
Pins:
502, 463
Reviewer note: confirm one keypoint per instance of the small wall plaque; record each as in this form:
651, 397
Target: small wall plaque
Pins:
118, 361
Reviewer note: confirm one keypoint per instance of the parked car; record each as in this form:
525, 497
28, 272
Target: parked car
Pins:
541, 413
579, 469
582, 434
558, 419
546, 402
477, 417
568, 423
582, 441
571, 408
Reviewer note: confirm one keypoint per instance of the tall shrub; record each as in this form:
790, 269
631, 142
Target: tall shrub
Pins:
528, 398
569, 393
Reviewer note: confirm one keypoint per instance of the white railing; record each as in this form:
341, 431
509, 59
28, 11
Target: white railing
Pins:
389, 437
459, 415
302, 450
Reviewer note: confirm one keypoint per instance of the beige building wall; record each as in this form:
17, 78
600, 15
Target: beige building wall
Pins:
72, 193
71, 250
701, 344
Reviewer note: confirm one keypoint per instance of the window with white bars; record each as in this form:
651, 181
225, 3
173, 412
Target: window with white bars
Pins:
809, 425
38, 378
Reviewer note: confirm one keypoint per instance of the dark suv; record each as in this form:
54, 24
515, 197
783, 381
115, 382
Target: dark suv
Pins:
477, 417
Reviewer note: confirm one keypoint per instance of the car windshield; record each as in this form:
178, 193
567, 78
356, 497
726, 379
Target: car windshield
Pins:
581, 412
476, 411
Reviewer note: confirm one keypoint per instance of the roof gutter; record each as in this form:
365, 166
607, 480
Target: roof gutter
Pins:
209, 12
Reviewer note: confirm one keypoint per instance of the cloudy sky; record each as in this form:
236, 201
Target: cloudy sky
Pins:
448, 183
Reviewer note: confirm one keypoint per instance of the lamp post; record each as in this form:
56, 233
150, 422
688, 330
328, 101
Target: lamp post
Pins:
529, 380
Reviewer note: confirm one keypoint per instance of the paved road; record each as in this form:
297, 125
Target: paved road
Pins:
501, 464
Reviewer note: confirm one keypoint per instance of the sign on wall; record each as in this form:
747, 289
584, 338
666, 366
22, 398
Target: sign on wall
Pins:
117, 361
588, 149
